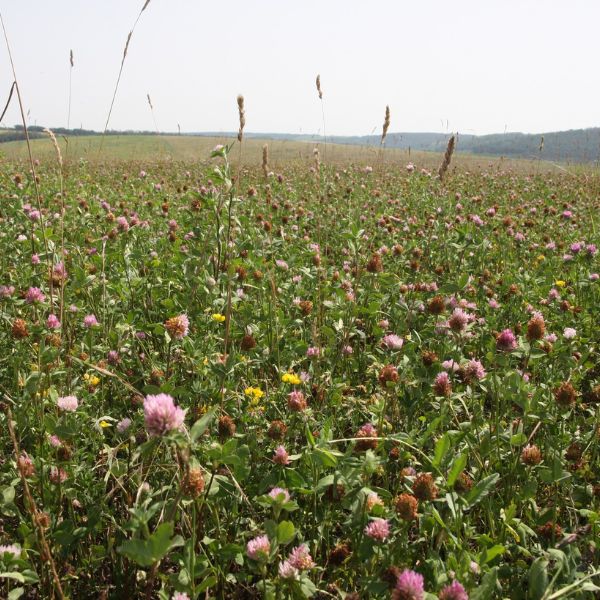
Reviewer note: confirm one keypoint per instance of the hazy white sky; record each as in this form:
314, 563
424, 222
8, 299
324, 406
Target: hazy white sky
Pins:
474, 66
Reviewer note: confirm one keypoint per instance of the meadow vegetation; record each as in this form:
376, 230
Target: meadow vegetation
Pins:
332, 376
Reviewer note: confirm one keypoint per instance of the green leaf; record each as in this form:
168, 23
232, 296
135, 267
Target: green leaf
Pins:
201, 425
458, 466
8, 495
285, 532
489, 554
146, 552
13, 575
481, 489
538, 579
207, 583
325, 457
16, 593
441, 449
488, 585
518, 439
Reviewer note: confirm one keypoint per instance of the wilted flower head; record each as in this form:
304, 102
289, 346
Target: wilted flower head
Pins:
442, 385
373, 500
366, 437
59, 271
506, 341
458, 320
122, 223
258, 548
296, 401
113, 357
536, 327
57, 475
388, 375
161, 415
25, 465
474, 370
178, 326
281, 456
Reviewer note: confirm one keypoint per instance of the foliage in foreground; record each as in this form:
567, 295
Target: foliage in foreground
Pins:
335, 384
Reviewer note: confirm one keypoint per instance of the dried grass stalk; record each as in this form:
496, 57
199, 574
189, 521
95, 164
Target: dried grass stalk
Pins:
240, 103
71, 59
52, 137
265, 160
319, 87
386, 125
447, 158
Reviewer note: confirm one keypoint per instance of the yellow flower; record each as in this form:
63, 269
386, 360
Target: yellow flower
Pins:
540, 258
93, 380
560, 283
255, 393
218, 317
104, 424
291, 378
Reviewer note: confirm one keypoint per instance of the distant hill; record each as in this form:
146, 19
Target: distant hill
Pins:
576, 145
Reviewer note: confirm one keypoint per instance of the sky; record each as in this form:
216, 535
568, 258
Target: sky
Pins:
472, 66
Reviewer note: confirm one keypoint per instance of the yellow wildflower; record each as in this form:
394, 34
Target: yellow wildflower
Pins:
290, 378
218, 317
560, 283
93, 380
255, 393
104, 424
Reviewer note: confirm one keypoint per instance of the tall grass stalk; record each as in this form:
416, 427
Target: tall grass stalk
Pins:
114, 96
320, 93
38, 196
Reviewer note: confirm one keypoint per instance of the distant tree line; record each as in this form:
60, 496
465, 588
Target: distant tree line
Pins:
17, 133
576, 145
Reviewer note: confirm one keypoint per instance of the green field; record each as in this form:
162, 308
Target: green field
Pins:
197, 148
